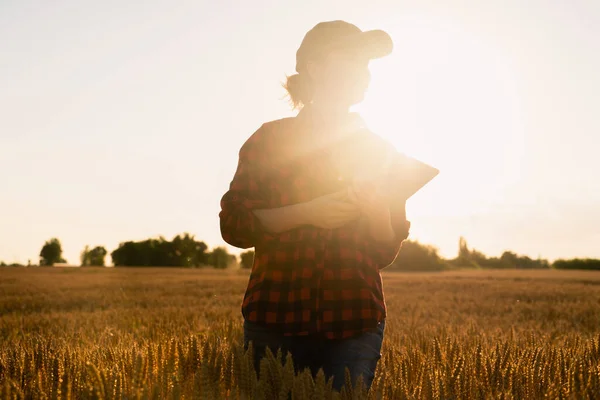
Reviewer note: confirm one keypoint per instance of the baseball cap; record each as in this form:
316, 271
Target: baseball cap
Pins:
333, 35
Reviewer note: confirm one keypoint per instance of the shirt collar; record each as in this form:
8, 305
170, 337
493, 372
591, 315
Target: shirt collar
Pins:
351, 122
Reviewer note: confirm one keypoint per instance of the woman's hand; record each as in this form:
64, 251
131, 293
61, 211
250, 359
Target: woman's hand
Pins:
332, 210
368, 196
374, 205
328, 212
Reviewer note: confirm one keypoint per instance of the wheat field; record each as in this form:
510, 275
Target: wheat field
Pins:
166, 333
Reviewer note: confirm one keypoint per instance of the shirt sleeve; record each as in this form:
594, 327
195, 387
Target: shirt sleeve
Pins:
385, 253
240, 227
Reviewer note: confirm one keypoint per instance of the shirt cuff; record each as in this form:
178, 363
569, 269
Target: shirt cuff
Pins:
240, 227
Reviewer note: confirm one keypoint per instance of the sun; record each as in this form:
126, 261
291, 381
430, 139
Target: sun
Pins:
449, 98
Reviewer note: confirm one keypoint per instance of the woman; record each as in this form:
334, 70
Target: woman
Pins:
312, 194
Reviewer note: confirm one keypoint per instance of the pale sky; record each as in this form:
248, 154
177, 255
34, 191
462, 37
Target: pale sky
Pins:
123, 121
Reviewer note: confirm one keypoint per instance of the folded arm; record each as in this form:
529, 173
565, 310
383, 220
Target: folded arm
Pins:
240, 226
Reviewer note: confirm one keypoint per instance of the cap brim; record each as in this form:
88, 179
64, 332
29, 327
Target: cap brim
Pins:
371, 44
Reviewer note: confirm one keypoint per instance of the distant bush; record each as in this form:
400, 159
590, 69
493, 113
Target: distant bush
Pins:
93, 256
220, 258
182, 251
577, 263
51, 253
247, 259
3, 264
471, 258
414, 256
512, 260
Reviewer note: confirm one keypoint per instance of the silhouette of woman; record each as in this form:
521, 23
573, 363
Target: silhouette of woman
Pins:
312, 195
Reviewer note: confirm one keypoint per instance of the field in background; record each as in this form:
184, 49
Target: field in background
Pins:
176, 333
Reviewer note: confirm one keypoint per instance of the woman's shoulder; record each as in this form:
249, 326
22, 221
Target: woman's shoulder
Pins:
270, 135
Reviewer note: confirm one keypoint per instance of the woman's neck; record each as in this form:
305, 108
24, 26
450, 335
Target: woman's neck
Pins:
327, 114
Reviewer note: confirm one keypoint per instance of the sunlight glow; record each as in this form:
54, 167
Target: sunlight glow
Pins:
449, 99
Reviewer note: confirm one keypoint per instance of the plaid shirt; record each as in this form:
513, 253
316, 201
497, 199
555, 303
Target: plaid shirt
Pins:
310, 280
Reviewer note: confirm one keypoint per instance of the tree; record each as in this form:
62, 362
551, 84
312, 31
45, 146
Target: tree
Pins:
471, 258
51, 253
94, 256
247, 259
414, 256
577, 263
84, 256
183, 251
466, 257
220, 258
188, 251
463, 249
147, 253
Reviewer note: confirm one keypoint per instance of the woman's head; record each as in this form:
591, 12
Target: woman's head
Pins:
332, 64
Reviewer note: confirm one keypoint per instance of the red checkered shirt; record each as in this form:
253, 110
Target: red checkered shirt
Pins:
310, 280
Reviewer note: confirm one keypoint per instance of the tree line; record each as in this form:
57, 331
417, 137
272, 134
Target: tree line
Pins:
185, 251
415, 256
182, 251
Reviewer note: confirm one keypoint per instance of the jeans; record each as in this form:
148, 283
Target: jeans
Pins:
360, 354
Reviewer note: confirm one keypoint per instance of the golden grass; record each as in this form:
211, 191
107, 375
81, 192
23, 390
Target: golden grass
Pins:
170, 333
